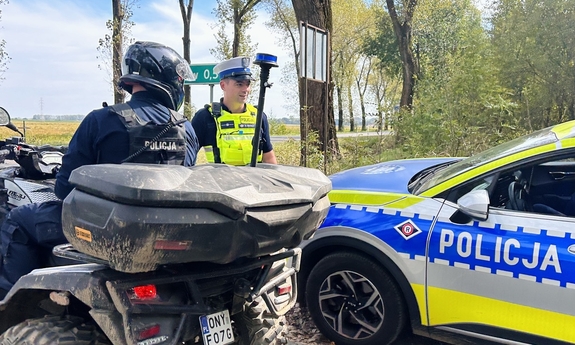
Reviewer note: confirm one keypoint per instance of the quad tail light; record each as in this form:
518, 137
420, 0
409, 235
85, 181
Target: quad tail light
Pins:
143, 292
148, 332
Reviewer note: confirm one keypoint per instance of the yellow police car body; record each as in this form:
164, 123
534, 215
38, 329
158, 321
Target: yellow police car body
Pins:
471, 250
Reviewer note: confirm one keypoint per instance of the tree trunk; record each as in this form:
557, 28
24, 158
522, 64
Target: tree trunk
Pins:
117, 39
402, 31
362, 89
239, 14
186, 11
350, 109
313, 94
363, 114
339, 108
236, 34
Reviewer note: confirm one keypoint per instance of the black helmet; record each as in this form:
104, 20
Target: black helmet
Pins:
159, 68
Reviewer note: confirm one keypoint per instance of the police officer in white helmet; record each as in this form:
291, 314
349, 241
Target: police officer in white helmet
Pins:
225, 129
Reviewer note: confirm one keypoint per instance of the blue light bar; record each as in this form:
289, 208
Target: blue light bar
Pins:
266, 59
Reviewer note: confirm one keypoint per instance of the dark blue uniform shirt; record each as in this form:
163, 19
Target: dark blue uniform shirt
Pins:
205, 128
102, 138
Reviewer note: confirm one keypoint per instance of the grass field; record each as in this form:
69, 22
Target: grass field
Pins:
43, 132
60, 132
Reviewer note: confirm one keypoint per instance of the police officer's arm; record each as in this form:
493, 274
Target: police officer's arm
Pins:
268, 150
80, 152
200, 125
192, 145
269, 157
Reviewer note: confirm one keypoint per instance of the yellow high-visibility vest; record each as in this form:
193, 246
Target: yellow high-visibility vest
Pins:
234, 134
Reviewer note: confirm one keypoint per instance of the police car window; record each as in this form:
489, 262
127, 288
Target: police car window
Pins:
561, 162
543, 187
484, 183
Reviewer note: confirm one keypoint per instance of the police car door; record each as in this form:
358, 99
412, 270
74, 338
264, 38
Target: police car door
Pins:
510, 278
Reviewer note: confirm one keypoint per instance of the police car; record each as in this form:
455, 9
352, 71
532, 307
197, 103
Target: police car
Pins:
466, 251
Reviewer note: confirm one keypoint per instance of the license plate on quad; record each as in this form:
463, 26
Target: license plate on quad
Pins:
217, 328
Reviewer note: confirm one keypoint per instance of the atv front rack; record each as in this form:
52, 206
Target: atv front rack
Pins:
190, 276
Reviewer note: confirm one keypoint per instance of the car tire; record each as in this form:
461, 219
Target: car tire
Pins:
337, 290
53, 330
256, 326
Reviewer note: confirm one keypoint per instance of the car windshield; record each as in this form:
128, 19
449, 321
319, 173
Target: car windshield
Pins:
538, 138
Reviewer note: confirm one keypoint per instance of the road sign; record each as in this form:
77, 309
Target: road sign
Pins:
203, 74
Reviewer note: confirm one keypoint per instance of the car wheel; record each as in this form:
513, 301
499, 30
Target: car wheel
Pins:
53, 330
353, 300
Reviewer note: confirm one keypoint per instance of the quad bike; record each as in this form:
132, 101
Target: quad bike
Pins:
27, 171
172, 255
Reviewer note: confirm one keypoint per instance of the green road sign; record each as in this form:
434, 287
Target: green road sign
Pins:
203, 74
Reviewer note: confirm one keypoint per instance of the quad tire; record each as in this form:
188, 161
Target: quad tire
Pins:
256, 326
49, 330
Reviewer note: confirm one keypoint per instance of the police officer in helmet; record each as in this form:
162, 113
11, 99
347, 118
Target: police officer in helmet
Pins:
225, 129
146, 129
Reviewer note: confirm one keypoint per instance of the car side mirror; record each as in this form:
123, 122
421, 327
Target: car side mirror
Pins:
475, 204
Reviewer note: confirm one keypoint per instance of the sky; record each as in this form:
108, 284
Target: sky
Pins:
53, 48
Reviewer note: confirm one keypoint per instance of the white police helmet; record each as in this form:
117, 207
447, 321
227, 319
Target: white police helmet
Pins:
237, 68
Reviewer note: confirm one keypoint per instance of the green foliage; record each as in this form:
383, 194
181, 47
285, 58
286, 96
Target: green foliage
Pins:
288, 152
282, 20
223, 50
241, 14
106, 45
189, 110
354, 152
534, 43
442, 30
277, 127
360, 151
460, 107
383, 44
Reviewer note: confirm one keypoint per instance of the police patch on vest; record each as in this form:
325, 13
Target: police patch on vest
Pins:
247, 125
227, 124
161, 145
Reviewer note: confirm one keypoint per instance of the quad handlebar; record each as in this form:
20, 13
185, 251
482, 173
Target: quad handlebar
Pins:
36, 162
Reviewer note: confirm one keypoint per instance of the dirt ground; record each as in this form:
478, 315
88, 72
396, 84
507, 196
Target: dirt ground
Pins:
302, 331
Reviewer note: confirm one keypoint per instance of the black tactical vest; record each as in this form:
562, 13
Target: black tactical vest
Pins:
153, 143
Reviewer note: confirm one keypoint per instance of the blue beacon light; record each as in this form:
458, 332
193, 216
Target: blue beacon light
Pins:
266, 59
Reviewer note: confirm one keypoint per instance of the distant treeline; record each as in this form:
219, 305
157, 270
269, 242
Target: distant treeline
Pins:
58, 117
74, 118
286, 120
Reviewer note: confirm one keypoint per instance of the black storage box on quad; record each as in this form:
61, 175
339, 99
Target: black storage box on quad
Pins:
138, 216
